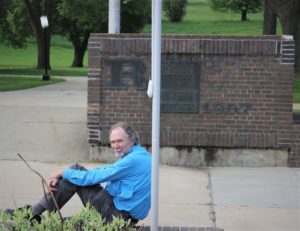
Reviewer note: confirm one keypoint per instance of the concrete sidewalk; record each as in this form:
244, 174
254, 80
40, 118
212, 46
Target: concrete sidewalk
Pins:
240, 199
47, 125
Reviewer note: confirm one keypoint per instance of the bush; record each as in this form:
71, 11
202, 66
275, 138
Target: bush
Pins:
175, 9
135, 15
87, 219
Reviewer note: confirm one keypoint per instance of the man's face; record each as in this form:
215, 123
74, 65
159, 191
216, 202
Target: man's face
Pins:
120, 142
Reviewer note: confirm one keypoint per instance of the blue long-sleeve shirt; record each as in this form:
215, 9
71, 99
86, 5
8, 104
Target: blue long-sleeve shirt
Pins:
129, 181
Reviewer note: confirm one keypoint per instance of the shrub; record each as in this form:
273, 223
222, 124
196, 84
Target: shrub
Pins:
87, 219
175, 9
134, 15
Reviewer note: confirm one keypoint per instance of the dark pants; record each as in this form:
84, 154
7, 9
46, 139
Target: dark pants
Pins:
94, 195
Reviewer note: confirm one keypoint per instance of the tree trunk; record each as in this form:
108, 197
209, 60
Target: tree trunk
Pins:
34, 11
80, 46
270, 20
78, 58
244, 15
288, 14
297, 46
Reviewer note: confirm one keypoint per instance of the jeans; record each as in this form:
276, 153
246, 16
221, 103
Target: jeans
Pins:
94, 195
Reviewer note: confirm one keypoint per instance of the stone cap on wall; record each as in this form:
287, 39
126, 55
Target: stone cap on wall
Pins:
138, 44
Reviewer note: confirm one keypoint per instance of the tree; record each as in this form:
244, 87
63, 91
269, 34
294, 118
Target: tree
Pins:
15, 28
35, 9
76, 20
73, 19
269, 20
134, 15
175, 10
238, 6
288, 13
80, 18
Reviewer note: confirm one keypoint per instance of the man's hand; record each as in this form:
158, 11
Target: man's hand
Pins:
54, 179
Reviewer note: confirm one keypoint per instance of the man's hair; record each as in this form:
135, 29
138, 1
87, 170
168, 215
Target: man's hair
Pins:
129, 131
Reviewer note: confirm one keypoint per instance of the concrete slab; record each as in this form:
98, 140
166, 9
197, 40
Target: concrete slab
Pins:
237, 218
266, 187
256, 199
183, 198
45, 123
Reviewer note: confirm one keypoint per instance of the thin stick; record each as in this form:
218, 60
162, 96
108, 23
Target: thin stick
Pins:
14, 200
44, 183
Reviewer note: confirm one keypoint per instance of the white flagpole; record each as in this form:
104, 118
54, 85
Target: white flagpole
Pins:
114, 16
156, 76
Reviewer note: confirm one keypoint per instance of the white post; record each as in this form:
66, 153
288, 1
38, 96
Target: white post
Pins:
156, 76
114, 17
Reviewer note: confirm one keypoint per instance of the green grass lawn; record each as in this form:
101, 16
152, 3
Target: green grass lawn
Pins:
12, 83
199, 19
297, 89
23, 61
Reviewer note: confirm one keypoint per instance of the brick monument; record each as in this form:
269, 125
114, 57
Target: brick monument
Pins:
222, 97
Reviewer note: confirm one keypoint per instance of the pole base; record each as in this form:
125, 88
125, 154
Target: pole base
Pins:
46, 77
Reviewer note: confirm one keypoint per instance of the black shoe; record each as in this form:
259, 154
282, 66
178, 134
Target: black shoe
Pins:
9, 211
36, 218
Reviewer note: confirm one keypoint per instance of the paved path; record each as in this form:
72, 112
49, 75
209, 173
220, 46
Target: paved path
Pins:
47, 125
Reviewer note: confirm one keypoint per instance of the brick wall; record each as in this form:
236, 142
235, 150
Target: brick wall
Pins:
217, 91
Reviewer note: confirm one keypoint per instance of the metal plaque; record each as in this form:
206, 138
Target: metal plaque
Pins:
179, 86
124, 70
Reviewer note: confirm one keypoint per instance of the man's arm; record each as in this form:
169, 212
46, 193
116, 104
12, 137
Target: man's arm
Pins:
98, 175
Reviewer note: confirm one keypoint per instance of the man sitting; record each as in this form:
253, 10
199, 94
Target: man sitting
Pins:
127, 189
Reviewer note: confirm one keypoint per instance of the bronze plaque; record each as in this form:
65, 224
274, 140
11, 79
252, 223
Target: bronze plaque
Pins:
179, 86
